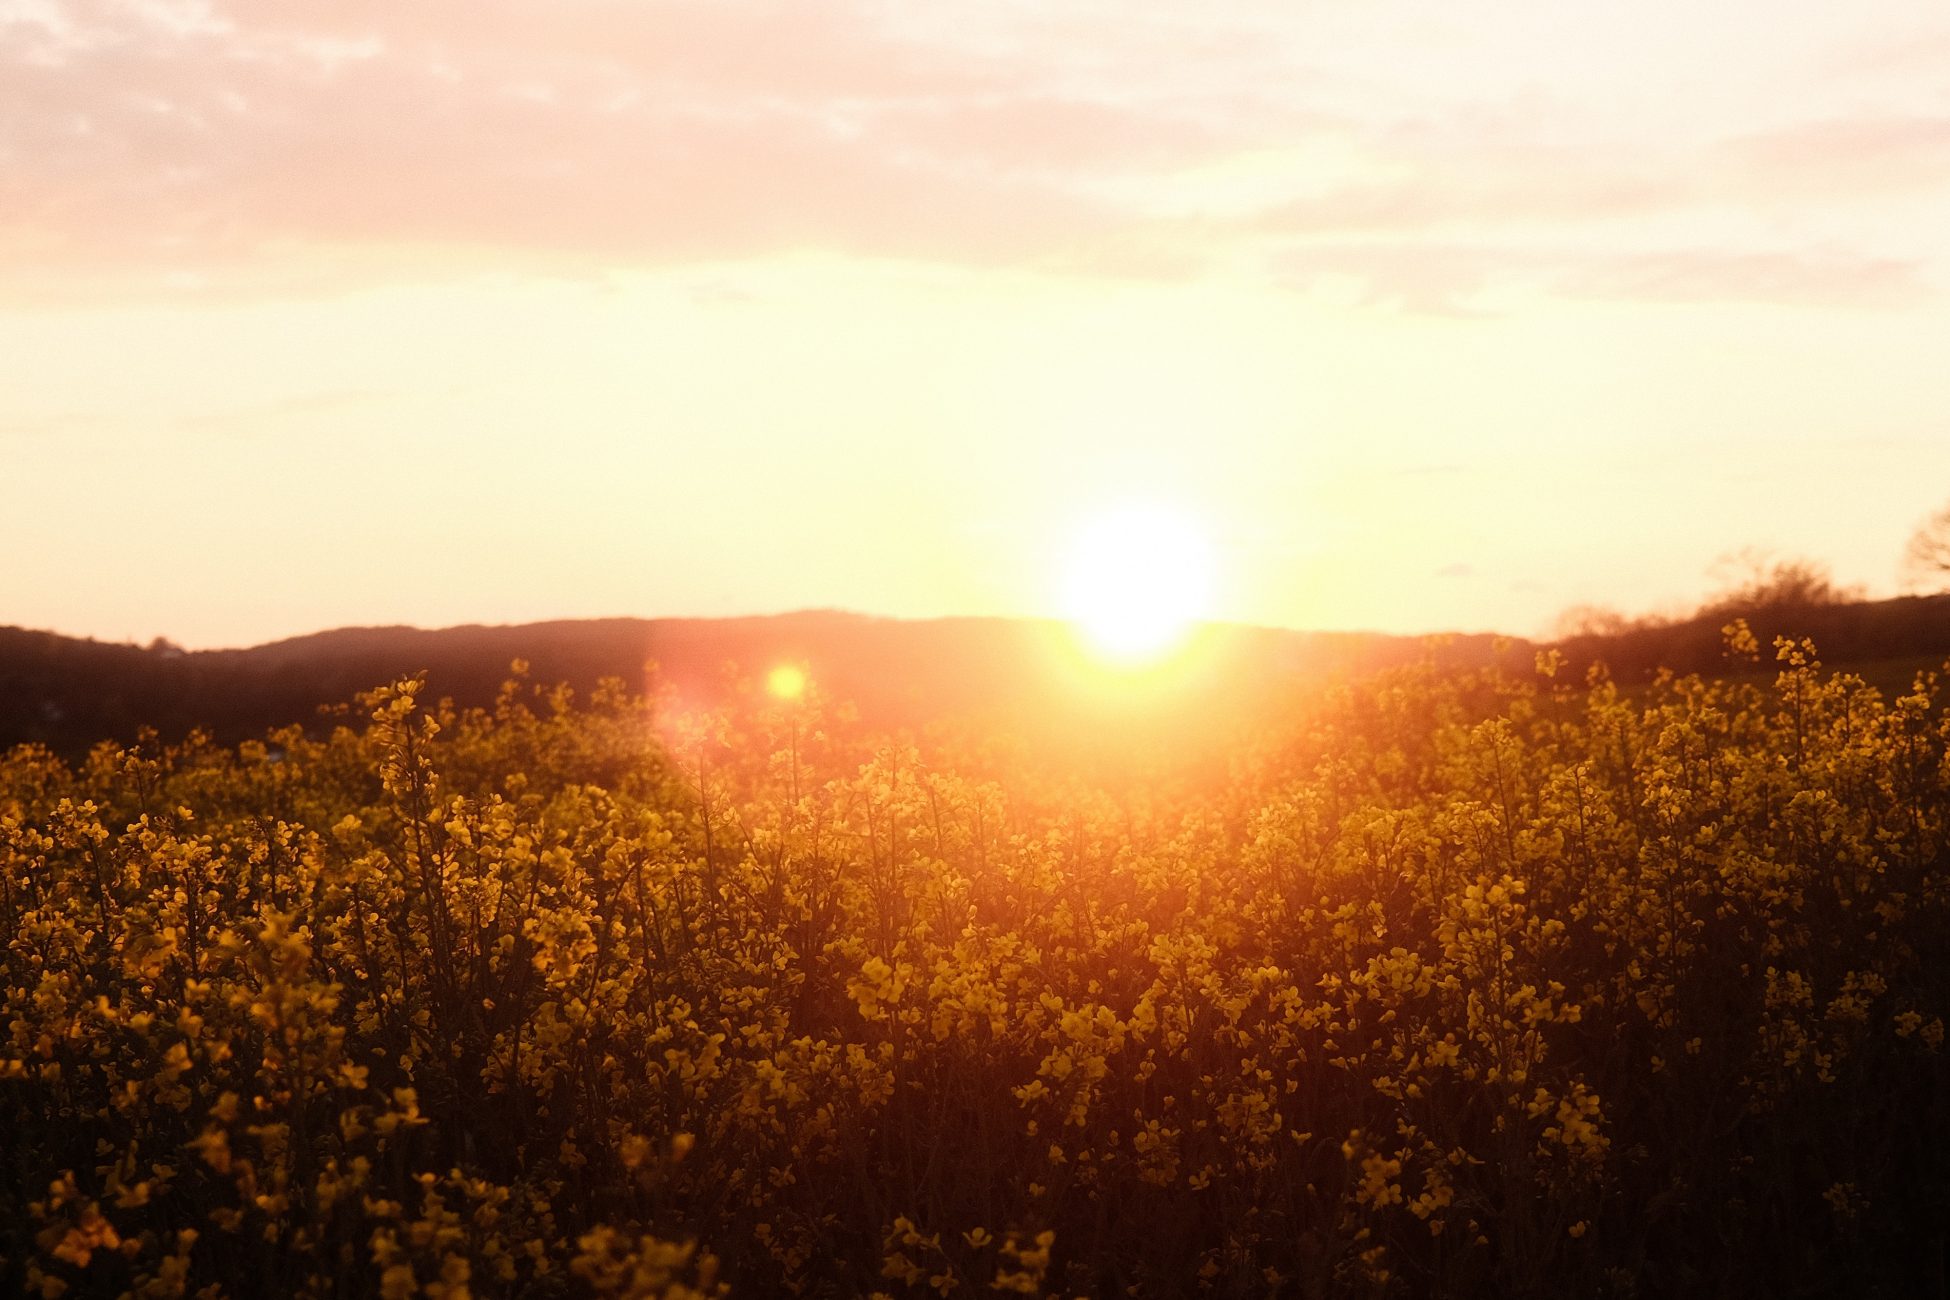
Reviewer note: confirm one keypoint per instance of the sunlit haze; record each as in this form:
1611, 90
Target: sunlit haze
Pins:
1136, 577
1431, 317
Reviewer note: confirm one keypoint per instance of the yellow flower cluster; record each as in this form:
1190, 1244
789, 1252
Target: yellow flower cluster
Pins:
1493, 984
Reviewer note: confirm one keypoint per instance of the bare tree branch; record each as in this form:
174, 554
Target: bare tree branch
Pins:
1926, 560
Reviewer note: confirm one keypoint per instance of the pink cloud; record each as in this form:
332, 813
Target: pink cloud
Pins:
1840, 157
1492, 175
1454, 279
1796, 279
642, 134
288, 143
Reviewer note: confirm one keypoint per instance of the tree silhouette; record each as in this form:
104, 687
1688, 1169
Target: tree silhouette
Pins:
1926, 560
1753, 580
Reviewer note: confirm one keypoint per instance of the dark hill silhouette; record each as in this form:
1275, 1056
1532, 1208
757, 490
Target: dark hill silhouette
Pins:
68, 693
1884, 640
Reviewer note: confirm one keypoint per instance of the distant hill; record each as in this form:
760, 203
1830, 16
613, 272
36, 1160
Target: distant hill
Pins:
1883, 640
68, 693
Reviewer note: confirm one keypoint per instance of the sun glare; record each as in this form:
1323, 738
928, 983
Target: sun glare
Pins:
787, 681
1136, 580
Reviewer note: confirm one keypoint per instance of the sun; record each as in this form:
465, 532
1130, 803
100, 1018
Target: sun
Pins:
1137, 577
787, 681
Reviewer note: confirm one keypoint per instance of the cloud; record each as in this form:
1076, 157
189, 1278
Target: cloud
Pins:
1464, 280
1793, 278
244, 419
1434, 179
166, 135
188, 146
1424, 279
1841, 158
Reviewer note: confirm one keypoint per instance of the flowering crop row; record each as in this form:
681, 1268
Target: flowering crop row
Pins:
1484, 985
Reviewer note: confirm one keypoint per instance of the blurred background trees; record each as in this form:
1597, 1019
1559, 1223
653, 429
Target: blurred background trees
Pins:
1926, 560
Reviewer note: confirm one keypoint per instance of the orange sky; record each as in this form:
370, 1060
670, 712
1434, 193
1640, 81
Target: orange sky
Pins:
1438, 316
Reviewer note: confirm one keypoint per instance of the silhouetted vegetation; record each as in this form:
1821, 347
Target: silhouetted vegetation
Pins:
1446, 982
1926, 559
1756, 583
1885, 640
68, 693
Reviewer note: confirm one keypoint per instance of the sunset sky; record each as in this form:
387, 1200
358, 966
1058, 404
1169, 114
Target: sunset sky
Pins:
1436, 316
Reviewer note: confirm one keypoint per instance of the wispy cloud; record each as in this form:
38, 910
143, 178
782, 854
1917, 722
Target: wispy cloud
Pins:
1801, 278
251, 418
1466, 280
184, 144
165, 134
1841, 158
